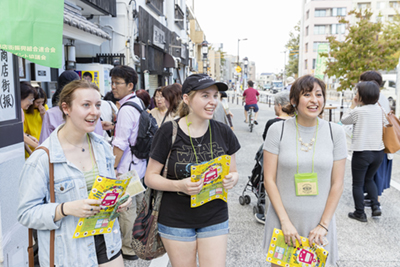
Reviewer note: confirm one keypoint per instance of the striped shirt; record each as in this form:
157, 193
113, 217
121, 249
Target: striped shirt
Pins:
367, 123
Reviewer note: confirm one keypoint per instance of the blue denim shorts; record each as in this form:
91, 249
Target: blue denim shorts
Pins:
191, 234
255, 106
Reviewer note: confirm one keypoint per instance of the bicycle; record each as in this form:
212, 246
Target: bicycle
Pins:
251, 119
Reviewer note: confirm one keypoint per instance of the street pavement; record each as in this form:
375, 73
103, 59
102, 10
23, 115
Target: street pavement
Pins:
375, 243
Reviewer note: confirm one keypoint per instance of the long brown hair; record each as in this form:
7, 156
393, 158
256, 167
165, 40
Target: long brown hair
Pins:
173, 94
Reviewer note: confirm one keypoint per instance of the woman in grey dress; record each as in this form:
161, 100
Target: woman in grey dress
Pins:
304, 144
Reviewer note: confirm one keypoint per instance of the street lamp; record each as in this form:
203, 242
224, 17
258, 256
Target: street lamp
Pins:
204, 50
246, 64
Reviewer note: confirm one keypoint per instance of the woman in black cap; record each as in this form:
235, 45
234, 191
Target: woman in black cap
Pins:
185, 230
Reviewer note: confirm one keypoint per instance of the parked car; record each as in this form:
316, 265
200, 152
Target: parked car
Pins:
277, 86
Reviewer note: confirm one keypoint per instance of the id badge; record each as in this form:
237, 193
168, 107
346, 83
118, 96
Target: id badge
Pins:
306, 184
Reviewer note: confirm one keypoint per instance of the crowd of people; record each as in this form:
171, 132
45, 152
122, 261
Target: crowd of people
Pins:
88, 134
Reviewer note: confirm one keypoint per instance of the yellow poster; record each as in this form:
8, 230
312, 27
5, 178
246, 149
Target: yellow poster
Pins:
109, 190
212, 173
305, 255
90, 76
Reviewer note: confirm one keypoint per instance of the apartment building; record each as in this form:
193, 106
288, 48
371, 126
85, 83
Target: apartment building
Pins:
319, 20
382, 10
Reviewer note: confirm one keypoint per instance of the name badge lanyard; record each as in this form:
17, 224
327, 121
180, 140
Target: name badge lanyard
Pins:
306, 184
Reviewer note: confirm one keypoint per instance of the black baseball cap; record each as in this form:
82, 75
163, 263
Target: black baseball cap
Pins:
201, 81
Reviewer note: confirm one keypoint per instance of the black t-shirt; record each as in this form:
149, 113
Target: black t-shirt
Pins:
175, 210
269, 123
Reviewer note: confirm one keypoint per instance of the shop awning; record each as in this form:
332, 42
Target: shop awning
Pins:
170, 61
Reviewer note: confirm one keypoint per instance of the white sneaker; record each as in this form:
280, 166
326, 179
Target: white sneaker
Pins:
260, 218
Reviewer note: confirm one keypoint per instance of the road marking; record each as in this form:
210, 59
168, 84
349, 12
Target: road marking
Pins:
394, 184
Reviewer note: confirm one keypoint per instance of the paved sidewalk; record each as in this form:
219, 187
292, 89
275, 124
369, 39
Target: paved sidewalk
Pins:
376, 243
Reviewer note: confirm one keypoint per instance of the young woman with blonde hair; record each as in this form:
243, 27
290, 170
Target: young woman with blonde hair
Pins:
184, 230
78, 156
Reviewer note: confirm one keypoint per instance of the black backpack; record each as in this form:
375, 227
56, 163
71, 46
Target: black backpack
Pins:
147, 129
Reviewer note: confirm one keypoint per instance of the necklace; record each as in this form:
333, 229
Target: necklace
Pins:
199, 144
83, 149
306, 146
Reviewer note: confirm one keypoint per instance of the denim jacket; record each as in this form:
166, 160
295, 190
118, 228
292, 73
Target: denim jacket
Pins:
35, 211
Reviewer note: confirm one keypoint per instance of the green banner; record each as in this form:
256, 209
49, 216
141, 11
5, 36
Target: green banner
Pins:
33, 29
320, 65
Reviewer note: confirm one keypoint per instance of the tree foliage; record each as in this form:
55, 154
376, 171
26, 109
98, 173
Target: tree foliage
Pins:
292, 68
367, 46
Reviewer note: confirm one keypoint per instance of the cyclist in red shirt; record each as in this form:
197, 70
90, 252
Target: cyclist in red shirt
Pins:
251, 97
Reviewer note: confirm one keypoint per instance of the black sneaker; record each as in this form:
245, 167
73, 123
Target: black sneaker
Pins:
360, 218
376, 211
255, 122
260, 218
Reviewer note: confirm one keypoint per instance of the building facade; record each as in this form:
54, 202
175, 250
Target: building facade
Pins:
319, 20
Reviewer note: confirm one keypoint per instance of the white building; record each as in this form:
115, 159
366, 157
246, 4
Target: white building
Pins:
319, 20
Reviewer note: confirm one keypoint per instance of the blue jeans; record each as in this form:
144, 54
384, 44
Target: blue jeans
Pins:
191, 234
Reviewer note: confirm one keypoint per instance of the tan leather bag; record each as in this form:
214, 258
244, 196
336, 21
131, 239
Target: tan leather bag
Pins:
52, 232
391, 133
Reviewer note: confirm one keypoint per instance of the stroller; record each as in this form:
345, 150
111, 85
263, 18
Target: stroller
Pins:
256, 185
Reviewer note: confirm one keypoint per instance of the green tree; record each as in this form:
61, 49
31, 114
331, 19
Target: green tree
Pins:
292, 68
367, 46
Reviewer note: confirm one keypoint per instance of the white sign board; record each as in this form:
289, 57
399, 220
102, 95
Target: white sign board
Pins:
158, 37
7, 88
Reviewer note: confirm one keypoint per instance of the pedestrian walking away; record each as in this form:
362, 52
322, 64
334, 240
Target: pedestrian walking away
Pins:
201, 230
290, 151
251, 98
78, 156
383, 175
367, 146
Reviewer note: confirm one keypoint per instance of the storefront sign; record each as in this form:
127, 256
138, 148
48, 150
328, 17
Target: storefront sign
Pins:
158, 37
7, 89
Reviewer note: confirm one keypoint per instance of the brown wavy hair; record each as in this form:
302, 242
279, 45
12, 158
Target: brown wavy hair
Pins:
302, 85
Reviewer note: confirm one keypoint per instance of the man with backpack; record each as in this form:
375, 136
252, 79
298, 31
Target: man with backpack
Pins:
133, 134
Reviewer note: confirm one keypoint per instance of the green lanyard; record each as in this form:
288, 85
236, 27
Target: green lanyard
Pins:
315, 144
191, 142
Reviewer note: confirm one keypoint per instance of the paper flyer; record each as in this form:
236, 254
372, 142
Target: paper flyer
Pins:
109, 190
212, 172
300, 256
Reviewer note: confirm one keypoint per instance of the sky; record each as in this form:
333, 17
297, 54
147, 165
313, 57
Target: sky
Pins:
265, 23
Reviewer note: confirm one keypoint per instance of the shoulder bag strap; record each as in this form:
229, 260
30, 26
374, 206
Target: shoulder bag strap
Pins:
283, 126
330, 128
157, 194
52, 232
174, 133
